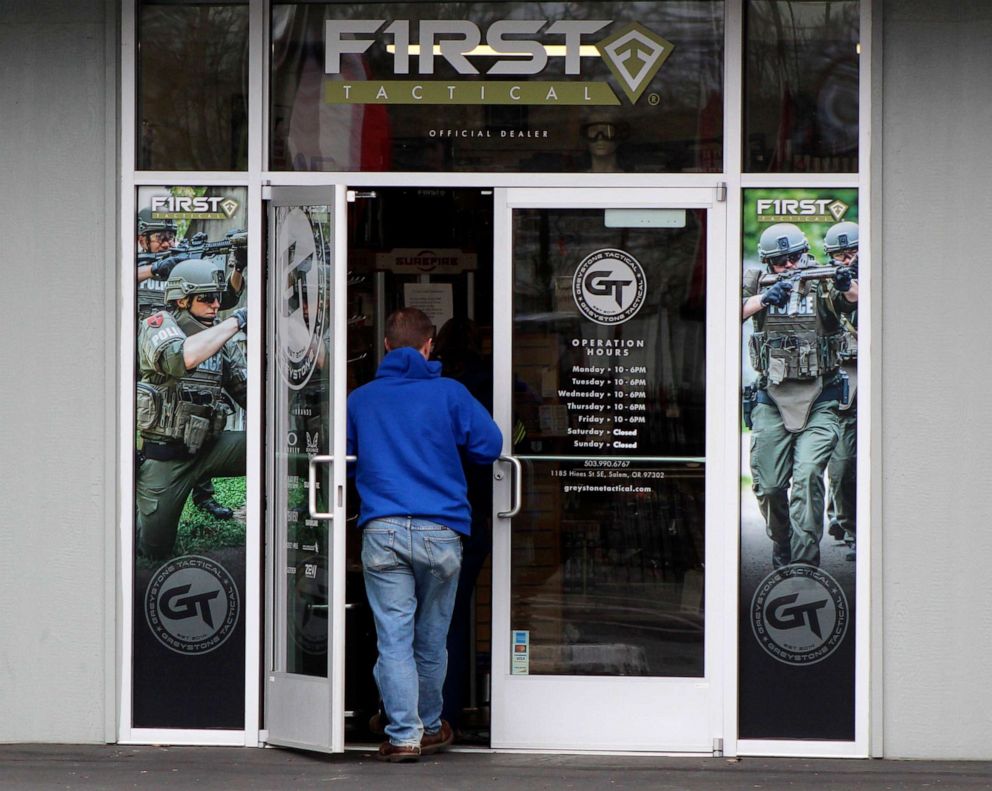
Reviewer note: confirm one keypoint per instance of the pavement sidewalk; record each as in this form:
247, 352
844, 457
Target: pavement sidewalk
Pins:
43, 766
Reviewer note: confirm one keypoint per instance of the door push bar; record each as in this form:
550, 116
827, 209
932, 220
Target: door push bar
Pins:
518, 486
312, 485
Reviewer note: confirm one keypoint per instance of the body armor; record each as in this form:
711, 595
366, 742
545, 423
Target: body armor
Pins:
185, 410
796, 348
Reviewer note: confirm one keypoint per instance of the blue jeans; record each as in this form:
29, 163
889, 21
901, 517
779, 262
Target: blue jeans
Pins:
411, 575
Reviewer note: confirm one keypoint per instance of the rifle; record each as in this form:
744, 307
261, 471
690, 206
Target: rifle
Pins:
234, 243
802, 281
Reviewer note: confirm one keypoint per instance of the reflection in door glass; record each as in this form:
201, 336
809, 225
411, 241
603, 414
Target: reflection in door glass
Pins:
609, 338
303, 408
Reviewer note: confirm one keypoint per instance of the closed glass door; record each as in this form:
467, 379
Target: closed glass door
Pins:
606, 629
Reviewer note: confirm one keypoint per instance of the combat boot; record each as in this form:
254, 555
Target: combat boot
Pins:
215, 509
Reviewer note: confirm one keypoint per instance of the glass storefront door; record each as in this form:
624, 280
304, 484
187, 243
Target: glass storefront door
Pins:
305, 478
606, 628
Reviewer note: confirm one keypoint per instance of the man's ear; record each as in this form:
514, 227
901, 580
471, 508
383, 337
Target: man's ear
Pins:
385, 343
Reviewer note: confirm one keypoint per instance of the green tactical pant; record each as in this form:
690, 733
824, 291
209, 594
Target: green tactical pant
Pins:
787, 479
842, 503
163, 486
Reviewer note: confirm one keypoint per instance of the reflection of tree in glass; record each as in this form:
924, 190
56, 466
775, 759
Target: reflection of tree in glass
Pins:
193, 87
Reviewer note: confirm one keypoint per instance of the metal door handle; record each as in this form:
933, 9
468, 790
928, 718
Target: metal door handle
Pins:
312, 485
518, 487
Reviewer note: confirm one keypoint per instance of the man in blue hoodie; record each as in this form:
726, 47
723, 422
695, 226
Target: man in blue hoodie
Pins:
409, 429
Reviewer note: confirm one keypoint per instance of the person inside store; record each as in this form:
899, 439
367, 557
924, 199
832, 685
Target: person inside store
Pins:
410, 429
796, 350
459, 350
188, 367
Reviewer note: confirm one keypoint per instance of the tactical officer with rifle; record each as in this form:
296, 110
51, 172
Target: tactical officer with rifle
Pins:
188, 368
840, 243
158, 253
792, 408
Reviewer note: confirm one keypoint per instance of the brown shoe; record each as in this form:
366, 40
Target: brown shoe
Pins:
398, 753
432, 743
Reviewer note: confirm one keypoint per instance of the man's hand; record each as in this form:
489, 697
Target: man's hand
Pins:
778, 294
843, 279
241, 314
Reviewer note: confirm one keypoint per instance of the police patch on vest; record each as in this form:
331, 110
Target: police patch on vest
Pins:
192, 605
154, 321
609, 286
799, 614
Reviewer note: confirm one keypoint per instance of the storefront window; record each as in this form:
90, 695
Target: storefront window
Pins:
498, 87
192, 86
801, 86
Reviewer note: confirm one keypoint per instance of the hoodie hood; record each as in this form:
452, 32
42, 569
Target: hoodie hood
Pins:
407, 363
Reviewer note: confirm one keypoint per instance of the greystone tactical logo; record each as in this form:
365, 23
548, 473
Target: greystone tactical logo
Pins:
609, 286
303, 270
799, 614
192, 605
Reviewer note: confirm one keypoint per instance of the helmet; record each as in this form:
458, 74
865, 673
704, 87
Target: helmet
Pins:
781, 239
147, 224
842, 236
195, 276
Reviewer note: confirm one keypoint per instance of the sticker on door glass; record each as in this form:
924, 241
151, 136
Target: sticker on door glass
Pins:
609, 286
520, 657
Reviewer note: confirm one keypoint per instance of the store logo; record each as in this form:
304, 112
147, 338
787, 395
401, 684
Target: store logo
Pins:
303, 272
609, 286
512, 48
192, 605
773, 210
186, 207
799, 614
634, 55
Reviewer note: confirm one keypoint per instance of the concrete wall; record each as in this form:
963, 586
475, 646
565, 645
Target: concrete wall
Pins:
58, 357
937, 371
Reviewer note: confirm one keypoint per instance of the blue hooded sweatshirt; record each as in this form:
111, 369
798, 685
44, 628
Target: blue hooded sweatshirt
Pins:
409, 428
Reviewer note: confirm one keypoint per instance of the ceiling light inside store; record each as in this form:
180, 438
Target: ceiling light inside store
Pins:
485, 51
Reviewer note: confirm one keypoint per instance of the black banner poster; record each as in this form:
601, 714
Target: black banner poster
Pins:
189, 531
799, 459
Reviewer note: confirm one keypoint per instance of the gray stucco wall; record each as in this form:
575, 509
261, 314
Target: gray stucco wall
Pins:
57, 392
936, 372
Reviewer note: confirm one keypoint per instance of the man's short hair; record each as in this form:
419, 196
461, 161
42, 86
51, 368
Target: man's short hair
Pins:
408, 327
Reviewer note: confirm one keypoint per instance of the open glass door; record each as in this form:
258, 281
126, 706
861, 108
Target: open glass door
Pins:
607, 547
305, 478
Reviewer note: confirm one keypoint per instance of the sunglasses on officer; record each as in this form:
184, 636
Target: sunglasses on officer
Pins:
209, 299
788, 258
162, 236
845, 255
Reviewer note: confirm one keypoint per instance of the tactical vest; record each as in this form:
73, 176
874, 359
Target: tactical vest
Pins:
191, 409
795, 348
151, 292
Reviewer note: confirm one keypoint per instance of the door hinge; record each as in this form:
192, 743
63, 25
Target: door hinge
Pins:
721, 192
717, 747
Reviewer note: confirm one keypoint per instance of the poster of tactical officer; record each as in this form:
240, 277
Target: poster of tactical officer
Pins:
799, 313
191, 322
